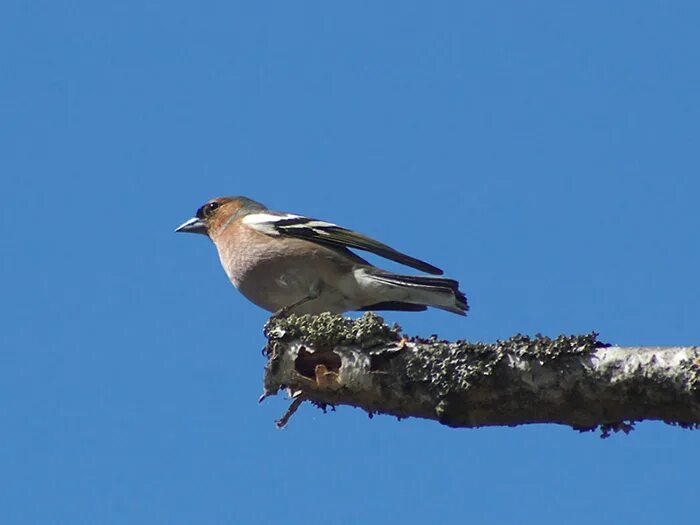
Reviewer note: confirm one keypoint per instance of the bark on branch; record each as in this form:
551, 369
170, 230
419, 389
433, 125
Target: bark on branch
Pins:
571, 380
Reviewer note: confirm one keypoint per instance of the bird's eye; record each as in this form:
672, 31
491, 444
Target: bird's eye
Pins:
209, 208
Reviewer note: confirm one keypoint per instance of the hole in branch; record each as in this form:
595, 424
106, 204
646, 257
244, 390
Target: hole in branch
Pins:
307, 361
380, 362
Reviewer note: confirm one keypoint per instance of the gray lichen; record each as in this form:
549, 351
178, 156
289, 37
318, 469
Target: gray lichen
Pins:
456, 366
327, 329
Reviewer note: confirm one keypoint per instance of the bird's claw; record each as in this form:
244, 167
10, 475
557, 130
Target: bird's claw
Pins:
282, 313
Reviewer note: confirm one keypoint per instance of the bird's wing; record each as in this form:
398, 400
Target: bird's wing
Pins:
328, 234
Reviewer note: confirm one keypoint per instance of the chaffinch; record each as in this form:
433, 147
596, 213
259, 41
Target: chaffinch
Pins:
287, 263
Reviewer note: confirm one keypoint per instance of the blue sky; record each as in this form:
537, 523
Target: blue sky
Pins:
544, 153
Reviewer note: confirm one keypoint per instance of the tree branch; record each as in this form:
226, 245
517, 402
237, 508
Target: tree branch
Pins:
571, 380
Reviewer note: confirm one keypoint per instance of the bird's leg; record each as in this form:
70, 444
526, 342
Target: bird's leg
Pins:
284, 312
314, 293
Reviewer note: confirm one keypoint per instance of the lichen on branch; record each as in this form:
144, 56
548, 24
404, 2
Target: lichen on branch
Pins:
573, 380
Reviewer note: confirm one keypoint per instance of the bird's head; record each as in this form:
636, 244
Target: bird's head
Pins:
218, 213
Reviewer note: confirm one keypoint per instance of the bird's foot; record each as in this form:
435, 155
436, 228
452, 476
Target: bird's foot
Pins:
282, 313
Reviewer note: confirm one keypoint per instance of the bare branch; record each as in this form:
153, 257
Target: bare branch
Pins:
570, 380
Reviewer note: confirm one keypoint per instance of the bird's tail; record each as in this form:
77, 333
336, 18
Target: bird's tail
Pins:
411, 292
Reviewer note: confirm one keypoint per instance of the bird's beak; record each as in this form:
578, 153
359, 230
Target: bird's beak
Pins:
194, 225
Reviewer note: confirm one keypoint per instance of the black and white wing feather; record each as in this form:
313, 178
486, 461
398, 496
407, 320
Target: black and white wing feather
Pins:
328, 234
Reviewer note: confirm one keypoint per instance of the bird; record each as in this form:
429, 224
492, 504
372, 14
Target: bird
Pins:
287, 263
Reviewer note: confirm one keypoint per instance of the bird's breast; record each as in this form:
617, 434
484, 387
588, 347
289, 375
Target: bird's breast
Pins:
273, 278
